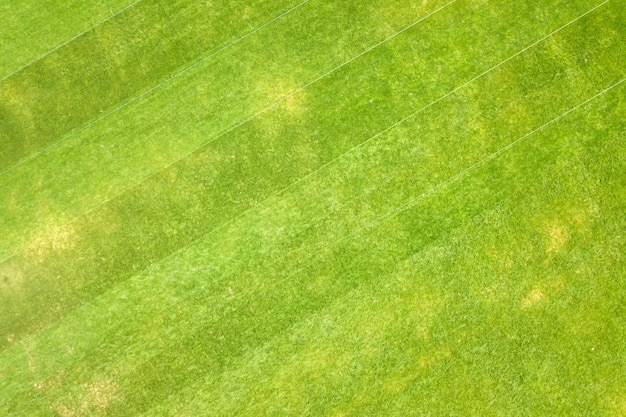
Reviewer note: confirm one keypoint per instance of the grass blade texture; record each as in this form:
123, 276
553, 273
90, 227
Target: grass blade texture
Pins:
314, 208
31, 30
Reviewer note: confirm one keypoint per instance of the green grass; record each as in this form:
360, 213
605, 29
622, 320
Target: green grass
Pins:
30, 30
319, 208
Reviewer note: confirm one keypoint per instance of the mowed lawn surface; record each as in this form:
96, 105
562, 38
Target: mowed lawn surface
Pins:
313, 208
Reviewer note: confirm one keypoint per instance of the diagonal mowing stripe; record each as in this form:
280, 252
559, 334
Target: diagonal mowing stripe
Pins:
334, 160
162, 83
459, 174
39, 58
411, 201
432, 189
233, 126
399, 209
408, 203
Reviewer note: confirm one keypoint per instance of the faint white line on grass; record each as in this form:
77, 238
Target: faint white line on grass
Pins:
332, 161
424, 194
125, 104
227, 130
304, 178
387, 129
69, 40
403, 206
246, 120
312, 173
407, 204
410, 116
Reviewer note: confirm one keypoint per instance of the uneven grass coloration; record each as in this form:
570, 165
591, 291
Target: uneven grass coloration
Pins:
314, 208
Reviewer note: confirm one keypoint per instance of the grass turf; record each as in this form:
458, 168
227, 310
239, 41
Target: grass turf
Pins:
386, 209
31, 30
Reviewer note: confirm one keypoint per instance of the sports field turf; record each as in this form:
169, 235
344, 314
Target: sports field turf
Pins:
313, 208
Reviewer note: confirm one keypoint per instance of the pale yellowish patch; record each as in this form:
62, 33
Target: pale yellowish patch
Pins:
497, 291
63, 411
49, 239
616, 405
422, 308
246, 12
11, 278
19, 105
417, 7
583, 218
518, 114
508, 264
101, 394
593, 209
94, 399
296, 103
478, 127
276, 89
580, 218
110, 41
429, 360
29, 347
558, 237
621, 408
534, 298
398, 383
52, 383
319, 284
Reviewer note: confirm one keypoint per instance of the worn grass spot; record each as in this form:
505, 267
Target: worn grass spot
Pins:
11, 278
17, 103
278, 88
92, 400
535, 298
51, 238
558, 236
